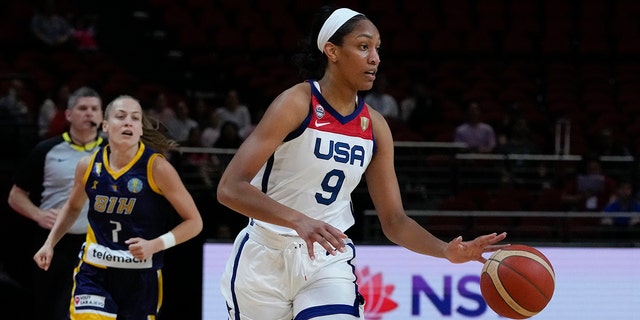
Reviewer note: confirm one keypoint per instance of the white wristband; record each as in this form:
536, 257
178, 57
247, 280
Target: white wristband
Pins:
168, 239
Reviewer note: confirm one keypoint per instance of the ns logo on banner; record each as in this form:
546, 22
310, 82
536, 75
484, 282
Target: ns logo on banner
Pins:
376, 294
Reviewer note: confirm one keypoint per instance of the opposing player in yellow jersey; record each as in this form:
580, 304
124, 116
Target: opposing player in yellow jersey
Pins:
132, 191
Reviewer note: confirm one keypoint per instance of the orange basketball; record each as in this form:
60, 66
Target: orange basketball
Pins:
517, 282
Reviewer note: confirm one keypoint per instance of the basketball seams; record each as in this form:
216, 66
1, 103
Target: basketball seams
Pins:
491, 268
502, 254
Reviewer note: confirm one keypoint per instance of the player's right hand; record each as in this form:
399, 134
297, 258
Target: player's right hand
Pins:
323, 233
43, 257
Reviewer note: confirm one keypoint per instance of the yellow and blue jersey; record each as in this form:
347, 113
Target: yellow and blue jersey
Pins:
123, 204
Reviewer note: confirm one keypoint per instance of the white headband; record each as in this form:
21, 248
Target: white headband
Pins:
332, 24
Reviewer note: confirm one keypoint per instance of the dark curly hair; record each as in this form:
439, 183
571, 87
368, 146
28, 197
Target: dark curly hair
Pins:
310, 61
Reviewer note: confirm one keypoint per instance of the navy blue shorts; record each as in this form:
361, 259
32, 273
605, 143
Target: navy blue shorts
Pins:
126, 294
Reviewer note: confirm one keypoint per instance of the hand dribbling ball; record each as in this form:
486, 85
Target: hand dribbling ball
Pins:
517, 282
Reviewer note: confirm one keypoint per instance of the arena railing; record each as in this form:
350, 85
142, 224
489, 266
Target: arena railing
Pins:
429, 172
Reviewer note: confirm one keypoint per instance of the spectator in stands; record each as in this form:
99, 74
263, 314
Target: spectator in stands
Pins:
420, 108
197, 167
591, 189
201, 176
211, 131
161, 110
624, 202
379, 99
256, 115
51, 118
513, 112
236, 111
83, 33
229, 222
50, 28
518, 139
180, 126
200, 111
230, 137
605, 144
479, 136
13, 109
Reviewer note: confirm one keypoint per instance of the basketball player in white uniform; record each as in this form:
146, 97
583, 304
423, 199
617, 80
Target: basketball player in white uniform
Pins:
293, 177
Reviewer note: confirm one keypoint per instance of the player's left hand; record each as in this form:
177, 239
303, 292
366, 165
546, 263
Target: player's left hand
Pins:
140, 248
458, 251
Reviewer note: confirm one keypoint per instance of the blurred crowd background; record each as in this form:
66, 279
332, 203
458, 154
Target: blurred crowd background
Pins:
539, 59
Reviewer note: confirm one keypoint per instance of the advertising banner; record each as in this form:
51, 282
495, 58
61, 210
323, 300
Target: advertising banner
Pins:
591, 283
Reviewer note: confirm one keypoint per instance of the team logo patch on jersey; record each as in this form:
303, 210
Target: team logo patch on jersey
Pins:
98, 168
134, 185
319, 111
364, 123
84, 300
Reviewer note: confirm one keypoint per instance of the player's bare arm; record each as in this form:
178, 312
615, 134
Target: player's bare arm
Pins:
283, 116
402, 229
169, 182
67, 216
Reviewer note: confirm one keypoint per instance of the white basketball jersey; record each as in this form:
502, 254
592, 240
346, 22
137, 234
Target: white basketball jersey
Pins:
318, 165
